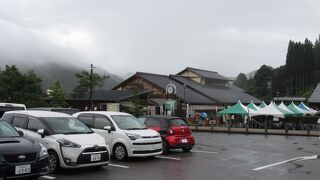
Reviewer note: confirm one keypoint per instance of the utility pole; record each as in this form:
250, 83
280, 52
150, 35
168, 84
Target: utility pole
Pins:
184, 101
91, 86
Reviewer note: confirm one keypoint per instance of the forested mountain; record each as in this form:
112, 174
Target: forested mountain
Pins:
66, 74
298, 77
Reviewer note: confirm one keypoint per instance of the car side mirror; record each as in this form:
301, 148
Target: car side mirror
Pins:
42, 132
107, 128
21, 133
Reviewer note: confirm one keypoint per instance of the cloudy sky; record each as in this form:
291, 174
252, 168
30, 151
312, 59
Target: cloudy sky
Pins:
159, 36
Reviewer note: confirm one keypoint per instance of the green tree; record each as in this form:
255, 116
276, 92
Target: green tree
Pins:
241, 81
20, 88
262, 82
317, 62
83, 87
137, 105
57, 93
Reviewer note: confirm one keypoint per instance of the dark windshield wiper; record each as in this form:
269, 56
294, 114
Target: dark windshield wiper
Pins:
77, 133
134, 128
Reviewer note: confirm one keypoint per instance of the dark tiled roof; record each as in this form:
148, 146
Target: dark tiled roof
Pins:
206, 73
315, 97
220, 93
289, 99
162, 81
111, 95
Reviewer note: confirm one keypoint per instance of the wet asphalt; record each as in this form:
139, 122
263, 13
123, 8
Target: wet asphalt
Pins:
218, 156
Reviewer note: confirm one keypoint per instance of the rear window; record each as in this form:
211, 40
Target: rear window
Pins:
177, 122
152, 122
4, 109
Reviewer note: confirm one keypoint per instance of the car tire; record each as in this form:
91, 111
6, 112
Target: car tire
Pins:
187, 149
165, 148
120, 152
54, 163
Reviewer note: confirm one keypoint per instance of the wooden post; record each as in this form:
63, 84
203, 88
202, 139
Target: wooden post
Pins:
229, 127
265, 126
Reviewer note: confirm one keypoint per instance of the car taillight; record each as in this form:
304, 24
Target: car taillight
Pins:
170, 132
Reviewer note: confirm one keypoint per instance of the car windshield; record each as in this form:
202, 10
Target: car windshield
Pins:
127, 122
7, 130
177, 122
66, 125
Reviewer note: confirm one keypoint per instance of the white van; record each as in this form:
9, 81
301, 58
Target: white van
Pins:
70, 143
4, 107
124, 134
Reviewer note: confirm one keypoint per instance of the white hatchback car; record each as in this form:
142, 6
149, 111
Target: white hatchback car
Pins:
124, 133
70, 143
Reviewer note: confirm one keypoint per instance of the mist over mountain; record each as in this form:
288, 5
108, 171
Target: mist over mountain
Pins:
66, 74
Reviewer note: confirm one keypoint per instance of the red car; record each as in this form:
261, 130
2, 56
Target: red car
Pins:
174, 131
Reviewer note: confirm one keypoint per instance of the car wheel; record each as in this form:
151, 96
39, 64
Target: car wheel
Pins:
120, 152
54, 164
165, 148
187, 149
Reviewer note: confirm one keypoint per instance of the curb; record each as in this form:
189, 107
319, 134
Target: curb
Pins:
254, 131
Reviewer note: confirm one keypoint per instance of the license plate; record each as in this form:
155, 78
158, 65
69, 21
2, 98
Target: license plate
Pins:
23, 169
184, 140
155, 147
95, 157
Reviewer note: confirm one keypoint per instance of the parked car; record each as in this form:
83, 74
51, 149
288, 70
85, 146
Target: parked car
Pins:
70, 143
4, 107
19, 157
69, 111
174, 131
125, 135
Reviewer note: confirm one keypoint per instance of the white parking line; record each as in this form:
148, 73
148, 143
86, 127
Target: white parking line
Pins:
48, 177
209, 152
119, 166
166, 157
287, 161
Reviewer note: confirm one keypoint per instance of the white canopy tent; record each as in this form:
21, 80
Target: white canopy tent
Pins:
270, 110
285, 108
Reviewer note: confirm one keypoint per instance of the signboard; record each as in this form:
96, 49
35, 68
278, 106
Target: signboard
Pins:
113, 107
170, 105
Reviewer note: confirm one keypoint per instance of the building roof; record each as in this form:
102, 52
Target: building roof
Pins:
196, 93
315, 97
111, 95
219, 93
191, 96
205, 73
289, 99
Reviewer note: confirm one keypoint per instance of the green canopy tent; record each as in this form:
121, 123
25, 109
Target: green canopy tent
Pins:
263, 104
253, 106
238, 108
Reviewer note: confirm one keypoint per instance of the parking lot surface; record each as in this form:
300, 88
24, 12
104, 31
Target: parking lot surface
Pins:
218, 156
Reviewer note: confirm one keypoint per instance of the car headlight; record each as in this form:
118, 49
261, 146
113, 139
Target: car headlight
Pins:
133, 136
67, 143
43, 151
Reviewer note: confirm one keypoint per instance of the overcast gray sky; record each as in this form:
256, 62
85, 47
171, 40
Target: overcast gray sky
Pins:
159, 36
